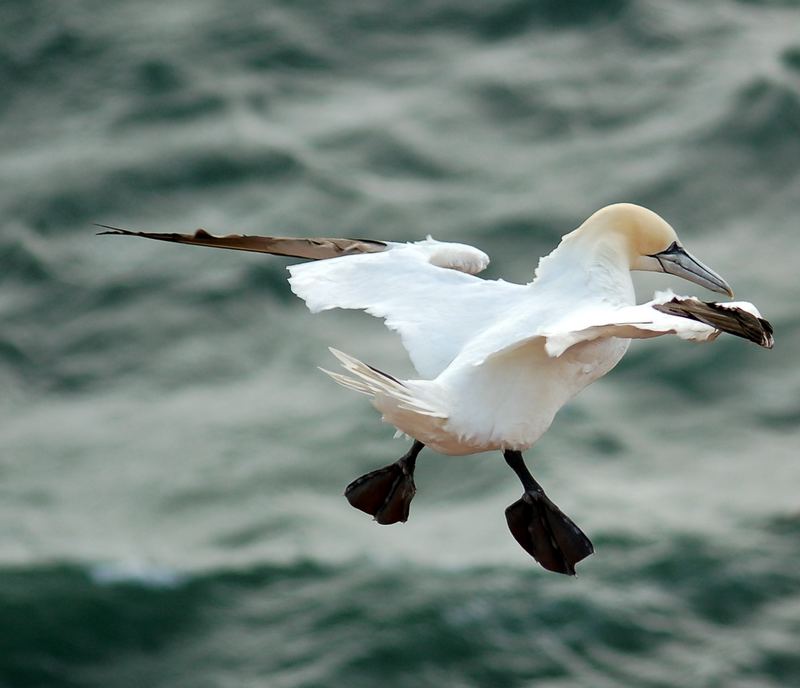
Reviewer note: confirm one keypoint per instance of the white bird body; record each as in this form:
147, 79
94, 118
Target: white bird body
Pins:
498, 360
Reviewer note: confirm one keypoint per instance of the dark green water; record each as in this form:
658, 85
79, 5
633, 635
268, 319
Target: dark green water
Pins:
171, 461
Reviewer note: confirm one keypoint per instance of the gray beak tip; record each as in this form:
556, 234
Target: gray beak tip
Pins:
724, 287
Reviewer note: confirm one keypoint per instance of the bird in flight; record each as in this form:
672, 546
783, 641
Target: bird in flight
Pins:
497, 360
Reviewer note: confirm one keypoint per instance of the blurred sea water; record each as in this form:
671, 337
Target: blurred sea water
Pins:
171, 461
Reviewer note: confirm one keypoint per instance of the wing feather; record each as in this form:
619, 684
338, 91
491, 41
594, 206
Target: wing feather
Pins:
435, 310
739, 319
309, 248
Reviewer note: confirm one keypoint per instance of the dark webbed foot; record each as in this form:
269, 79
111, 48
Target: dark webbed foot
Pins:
547, 534
541, 528
387, 492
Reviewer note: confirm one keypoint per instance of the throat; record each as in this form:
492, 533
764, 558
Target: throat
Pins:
599, 270
610, 275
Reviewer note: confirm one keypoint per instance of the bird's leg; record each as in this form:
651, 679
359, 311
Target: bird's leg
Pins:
386, 493
543, 530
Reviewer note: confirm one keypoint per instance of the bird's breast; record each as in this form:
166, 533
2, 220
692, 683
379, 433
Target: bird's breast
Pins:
588, 361
511, 401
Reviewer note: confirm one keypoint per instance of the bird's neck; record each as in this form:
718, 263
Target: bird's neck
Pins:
595, 268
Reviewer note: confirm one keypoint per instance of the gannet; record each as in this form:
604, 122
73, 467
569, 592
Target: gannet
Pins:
497, 360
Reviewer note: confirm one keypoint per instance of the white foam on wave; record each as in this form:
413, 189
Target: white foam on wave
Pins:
139, 572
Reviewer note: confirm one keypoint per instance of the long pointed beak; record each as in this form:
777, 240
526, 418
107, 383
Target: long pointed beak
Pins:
677, 261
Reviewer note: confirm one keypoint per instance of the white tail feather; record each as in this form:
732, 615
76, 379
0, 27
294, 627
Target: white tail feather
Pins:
348, 382
380, 386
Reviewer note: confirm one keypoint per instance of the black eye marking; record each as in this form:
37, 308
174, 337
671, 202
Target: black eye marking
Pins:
672, 249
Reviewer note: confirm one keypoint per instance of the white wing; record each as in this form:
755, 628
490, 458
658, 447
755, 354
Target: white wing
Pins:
426, 291
684, 316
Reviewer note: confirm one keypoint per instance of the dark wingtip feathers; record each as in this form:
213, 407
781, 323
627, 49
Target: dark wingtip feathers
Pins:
723, 317
112, 230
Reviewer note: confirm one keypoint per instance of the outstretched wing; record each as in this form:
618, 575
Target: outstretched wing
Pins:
684, 316
425, 290
687, 317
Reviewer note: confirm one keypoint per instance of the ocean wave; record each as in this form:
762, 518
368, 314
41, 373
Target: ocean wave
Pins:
509, 18
407, 624
765, 119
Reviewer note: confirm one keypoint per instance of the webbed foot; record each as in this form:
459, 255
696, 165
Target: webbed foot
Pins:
544, 531
386, 493
547, 533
